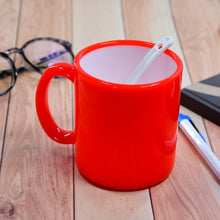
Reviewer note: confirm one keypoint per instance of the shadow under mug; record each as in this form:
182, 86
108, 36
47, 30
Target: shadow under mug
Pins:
125, 135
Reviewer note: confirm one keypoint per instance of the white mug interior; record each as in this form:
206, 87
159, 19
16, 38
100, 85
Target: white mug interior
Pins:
116, 63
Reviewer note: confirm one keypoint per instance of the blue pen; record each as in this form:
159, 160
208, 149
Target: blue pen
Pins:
182, 116
190, 130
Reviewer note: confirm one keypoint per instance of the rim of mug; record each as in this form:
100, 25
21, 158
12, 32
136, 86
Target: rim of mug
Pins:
100, 45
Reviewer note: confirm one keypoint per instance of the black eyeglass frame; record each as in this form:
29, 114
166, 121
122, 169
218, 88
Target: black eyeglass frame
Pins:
13, 74
67, 45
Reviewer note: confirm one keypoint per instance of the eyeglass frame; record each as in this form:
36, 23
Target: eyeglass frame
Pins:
67, 45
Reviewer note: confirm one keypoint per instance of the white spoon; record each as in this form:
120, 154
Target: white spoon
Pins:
159, 48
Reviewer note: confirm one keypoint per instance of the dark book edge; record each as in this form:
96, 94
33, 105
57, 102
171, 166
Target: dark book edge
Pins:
199, 106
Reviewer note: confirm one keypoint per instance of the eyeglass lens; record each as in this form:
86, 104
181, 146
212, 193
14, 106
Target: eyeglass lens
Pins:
6, 74
43, 53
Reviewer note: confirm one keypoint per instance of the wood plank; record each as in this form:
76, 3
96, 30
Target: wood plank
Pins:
36, 177
149, 20
186, 193
214, 136
198, 24
97, 21
8, 26
96, 203
3, 114
201, 45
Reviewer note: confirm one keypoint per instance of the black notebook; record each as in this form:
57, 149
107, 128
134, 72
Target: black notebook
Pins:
204, 98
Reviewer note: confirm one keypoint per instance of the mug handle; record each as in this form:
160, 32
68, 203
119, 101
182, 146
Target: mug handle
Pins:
42, 107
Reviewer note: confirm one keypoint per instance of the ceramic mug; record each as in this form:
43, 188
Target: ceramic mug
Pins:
125, 135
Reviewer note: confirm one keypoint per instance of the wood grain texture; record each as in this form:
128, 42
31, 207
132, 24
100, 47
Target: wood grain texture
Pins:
96, 203
97, 21
198, 25
49, 18
200, 38
8, 27
186, 194
36, 179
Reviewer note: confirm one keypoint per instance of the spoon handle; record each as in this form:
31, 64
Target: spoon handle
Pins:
158, 48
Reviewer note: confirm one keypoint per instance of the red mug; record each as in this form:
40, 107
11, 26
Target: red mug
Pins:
125, 135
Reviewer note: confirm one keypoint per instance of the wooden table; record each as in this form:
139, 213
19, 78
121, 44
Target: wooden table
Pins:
39, 178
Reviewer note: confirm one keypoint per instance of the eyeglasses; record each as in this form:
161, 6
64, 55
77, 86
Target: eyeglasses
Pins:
38, 54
